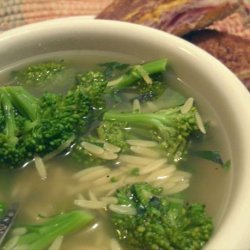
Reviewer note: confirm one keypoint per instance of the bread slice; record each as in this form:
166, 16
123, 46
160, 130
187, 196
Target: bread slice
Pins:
231, 50
175, 16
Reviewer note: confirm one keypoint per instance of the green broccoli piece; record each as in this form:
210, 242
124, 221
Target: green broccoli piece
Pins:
96, 86
9, 131
37, 126
41, 236
114, 133
136, 73
160, 223
144, 80
111, 132
170, 127
93, 84
39, 74
149, 92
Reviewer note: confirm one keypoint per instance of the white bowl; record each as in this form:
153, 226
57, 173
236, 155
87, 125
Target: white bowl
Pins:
213, 83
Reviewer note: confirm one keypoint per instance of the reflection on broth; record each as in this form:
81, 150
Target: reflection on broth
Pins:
70, 184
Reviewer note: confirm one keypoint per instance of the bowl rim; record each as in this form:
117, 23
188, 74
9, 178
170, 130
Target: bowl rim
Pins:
233, 233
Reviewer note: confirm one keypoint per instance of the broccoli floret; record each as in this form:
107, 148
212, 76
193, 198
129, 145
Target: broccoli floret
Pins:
106, 141
93, 84
160, 223
114, 133
41, 236
39, 74
111, 132
10, 131
170, 127
149, 92
37, 126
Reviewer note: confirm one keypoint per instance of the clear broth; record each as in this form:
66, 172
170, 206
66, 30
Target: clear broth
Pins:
210, 185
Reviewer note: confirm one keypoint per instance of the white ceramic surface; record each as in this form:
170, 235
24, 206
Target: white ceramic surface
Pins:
214, 83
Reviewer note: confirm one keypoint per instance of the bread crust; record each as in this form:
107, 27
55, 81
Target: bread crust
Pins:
231, 50
175, 16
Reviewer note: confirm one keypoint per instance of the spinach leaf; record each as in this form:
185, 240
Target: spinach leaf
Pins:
112, 68
213, 156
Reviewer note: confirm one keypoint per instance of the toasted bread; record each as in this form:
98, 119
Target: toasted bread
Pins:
231, 50
175, 16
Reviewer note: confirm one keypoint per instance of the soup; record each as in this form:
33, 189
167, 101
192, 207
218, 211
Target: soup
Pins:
86, 171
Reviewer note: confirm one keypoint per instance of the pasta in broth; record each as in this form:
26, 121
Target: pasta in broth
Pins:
85, 172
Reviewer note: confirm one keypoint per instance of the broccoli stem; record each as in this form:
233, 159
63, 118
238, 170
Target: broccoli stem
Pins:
24, 102
170, 127
40, 237
152, 119
9, 113
133, 75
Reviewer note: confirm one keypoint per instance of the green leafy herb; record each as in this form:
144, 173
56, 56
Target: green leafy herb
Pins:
111, 68
213, 156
